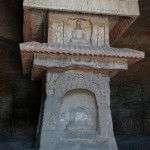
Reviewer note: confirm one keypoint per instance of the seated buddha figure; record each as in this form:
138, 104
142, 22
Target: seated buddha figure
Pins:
79, 35
78, 112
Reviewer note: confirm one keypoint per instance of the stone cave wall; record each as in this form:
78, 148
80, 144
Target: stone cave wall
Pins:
130, 90
19, 104
19, 101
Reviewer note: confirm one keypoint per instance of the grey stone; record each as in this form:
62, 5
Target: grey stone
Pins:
87, 6
77, 118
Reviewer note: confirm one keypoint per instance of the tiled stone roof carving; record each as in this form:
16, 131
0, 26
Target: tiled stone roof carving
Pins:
81, 50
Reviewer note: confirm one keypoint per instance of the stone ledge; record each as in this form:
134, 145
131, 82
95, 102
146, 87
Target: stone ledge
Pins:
81, 50
107, 7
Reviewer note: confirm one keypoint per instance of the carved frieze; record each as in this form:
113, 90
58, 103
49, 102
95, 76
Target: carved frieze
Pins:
77, 29
53, 60
60, 83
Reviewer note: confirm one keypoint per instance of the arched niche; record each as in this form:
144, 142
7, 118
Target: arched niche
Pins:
79, 112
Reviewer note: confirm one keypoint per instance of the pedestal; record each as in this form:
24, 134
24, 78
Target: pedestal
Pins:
76, 112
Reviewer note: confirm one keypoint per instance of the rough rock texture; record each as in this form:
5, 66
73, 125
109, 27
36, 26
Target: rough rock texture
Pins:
17, 127
86, 6
130, 89
11, 19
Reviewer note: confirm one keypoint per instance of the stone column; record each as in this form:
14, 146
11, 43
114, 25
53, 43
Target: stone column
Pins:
75, 113
78, 62
67, 123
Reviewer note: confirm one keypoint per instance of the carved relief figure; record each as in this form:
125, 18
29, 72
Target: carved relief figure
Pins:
79, 34
98, 36
58, 36
78, 112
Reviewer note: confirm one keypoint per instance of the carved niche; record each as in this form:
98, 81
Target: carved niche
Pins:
77, 29
75, 113
79, 112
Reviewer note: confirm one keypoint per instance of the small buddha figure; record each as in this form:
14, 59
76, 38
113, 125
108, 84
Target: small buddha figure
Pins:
79, 121
79, 35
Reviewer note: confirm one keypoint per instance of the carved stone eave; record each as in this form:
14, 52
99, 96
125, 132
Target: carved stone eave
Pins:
50, 56
107, 7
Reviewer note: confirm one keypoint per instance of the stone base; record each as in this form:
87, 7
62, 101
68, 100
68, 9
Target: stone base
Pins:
76, 112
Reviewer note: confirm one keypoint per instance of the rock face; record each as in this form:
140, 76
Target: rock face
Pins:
130, 92
17, 129
134, 101
20, 98
11, 19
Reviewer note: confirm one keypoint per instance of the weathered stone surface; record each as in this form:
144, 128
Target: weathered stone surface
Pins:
109, 7
76, 112
78, 29
11, 19
97, 55
60, 61
38, 19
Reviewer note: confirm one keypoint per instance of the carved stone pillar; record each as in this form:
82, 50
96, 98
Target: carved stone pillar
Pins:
78, 63
76, 112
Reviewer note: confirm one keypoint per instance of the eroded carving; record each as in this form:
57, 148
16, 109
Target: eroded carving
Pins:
81, 35
58, 32
52, 60
69, 28
79, 112
98, 35
60, 84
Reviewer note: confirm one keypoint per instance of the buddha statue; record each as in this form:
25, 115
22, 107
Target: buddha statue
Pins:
79, 35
